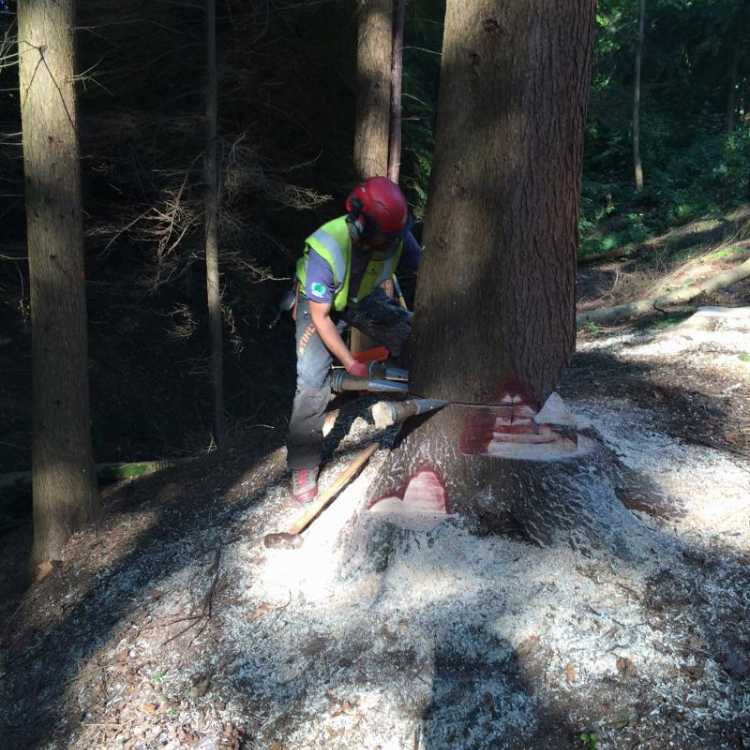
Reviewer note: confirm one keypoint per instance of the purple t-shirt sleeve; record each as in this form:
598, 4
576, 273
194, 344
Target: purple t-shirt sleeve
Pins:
319, 284
411, 253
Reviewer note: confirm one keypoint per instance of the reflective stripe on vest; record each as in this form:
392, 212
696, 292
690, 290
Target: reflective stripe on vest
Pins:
337, 256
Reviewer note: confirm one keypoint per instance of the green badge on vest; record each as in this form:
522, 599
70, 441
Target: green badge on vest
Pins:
318, 289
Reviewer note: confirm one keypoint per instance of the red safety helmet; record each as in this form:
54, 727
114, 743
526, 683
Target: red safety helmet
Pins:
383, 206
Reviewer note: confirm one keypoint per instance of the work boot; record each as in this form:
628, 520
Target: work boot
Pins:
305, 484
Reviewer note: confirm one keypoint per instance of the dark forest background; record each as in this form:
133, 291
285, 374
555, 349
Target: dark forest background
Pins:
287, 92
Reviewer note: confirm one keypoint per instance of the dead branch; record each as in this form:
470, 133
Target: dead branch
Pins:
203, 617
618, 253
8, 47
122, 231
256, 272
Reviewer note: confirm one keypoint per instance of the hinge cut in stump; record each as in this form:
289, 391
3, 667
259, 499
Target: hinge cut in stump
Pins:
515, 429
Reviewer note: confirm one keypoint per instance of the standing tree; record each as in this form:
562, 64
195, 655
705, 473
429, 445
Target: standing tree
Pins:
372, 126
397, 70
373, 121
497, 291
211, 172
495, 307
637, 165
64, 479
737, 33
734, 65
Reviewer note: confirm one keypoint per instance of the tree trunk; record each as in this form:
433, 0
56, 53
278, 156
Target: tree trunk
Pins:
732, 93
637, 166
64, 480
372, 127
495, 307
213, 280
738, 32
397, 69
501, 221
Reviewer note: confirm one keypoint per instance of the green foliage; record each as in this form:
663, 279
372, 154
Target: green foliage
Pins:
728, 251
592, 327
706, 179
745, 357
589, 741
126, 471
424, 32
604, 228
693, 166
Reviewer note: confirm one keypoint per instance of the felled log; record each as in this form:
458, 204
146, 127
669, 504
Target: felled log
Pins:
677, 298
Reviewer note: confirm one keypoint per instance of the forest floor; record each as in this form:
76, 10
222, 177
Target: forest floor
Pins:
171, 625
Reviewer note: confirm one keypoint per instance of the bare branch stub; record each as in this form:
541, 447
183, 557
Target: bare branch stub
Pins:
203, 616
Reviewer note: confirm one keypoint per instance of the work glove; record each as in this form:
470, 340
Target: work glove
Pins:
358, 369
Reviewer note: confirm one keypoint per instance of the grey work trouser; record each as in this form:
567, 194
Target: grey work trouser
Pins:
377, 316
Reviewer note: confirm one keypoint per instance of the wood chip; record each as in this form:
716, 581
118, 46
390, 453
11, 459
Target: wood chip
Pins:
260, 611
570, 673
625, 667
43, 570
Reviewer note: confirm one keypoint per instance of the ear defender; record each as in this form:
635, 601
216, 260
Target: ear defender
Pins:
359, 225
354, 207
355, 217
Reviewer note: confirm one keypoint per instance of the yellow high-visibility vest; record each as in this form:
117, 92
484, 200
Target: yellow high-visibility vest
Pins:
334, 244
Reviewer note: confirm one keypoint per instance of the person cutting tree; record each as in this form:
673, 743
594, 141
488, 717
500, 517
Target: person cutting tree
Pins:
339, 280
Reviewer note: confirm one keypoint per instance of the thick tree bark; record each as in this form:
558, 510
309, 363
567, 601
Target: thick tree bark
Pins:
64, 480
397, 70
495, 307
637, 165
213, 280
372, 127
496, 295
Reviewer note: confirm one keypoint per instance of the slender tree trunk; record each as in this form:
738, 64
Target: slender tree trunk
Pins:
737, 91
495, 308
64, 480
732, 93
394, 148
372, 127
213, 279
637, 166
